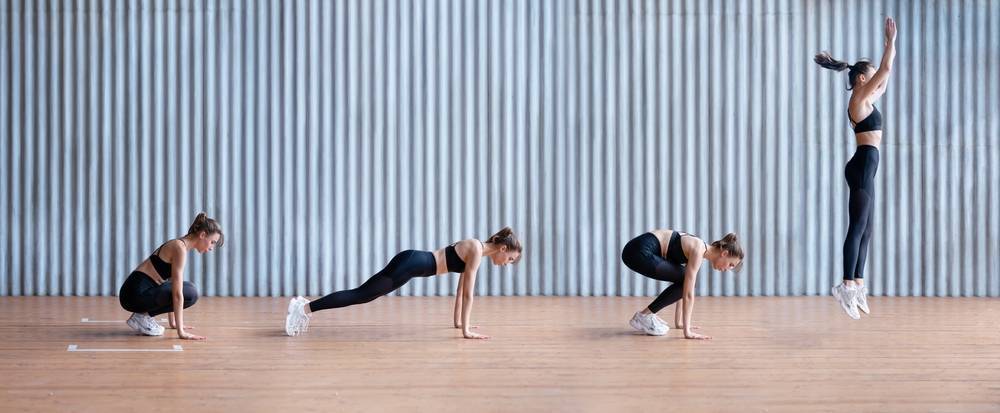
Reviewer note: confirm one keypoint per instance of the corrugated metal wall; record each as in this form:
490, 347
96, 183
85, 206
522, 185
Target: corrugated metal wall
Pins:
328, 135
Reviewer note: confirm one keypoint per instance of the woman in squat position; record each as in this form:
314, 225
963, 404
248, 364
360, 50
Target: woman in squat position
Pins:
674, 256
157, 285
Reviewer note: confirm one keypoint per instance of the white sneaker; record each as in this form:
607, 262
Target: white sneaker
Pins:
138, 323
659, 321
846, 297
151, 323
297, 321
862, 299
304, 317
646, 324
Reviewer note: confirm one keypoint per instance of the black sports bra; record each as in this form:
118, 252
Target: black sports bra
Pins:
162, 267
871, 123
455, 263
675, 253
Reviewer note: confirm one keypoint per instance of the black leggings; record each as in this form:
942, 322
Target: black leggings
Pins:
401, 268
860, 174
642, 255
140, 294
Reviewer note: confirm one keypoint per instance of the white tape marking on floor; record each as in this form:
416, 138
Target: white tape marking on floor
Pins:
74, 347
87, 320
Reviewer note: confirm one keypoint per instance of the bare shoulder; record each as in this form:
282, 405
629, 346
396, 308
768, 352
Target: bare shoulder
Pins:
172, 250
469, 248
698, 243
471, 244
693, 245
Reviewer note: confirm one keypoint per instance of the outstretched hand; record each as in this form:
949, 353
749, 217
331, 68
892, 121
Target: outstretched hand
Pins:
890, 30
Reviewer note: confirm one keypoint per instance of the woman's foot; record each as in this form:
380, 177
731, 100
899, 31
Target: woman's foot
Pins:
646, 323
659, 321
846, 296
297, 321
862, 299
144, 324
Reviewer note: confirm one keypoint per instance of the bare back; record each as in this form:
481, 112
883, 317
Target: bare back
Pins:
688, 243
167, 252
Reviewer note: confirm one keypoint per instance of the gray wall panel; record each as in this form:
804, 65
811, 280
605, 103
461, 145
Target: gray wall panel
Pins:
328, 135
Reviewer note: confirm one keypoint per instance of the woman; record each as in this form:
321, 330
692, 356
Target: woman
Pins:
157, 286
866, 85
461, 257
674, 256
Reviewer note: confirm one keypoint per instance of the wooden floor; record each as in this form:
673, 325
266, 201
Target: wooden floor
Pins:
547, 354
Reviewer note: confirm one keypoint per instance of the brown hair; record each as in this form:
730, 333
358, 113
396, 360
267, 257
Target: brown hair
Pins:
202, 223
731, 245
860, 67
506, 238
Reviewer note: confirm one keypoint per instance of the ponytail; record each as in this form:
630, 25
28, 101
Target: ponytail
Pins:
824, 59
858, 68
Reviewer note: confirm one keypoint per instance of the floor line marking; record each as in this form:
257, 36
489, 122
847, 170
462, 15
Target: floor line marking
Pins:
75, 348
87, 320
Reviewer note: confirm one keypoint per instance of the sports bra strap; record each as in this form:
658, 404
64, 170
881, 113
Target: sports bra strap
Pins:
157, 251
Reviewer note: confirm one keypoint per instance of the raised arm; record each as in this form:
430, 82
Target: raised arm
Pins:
875, 88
